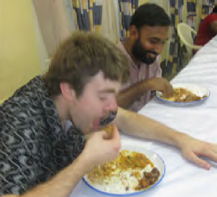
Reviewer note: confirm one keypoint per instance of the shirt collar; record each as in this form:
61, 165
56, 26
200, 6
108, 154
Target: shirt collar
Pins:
51, 114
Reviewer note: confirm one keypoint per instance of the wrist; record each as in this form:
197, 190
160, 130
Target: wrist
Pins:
87, 160
146, 85
181, 140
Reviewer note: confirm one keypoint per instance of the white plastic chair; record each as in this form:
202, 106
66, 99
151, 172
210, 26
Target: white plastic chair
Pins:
186, 34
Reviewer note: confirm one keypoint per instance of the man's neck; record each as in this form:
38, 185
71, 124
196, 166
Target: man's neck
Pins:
61, 109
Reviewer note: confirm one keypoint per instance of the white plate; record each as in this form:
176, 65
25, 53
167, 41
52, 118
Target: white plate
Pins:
196, 89
156, 160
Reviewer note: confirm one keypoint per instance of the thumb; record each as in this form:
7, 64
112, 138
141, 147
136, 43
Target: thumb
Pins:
104, 134
116, 134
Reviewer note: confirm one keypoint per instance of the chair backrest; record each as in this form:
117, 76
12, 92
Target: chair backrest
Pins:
187, 35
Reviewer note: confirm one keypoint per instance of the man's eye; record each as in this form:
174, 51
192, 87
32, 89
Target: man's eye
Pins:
154, 42
102, 98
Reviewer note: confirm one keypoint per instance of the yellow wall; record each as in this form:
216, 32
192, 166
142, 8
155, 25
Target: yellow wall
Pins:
19, 57
143, 1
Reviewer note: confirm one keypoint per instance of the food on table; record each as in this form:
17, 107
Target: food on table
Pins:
130, 172
183, 95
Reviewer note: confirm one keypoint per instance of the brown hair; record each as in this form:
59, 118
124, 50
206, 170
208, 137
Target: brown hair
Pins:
81, 57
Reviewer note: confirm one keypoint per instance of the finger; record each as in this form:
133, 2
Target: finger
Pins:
116, 134
214, 148
116, 139
104, 134
165, 92
99, 134
163, 87
200, 162
211, 154
168, 89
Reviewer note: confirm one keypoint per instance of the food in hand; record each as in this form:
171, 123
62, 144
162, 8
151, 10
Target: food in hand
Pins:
109, 130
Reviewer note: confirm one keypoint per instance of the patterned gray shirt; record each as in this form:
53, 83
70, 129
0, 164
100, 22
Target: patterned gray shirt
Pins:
33, 146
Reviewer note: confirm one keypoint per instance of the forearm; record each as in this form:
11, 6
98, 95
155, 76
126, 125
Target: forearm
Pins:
63, 183
144, 127
126, 97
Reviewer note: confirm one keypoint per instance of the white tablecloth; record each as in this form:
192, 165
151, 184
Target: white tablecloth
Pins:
182, 179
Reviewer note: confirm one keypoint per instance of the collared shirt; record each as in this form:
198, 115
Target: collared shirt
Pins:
33, 145
138, 74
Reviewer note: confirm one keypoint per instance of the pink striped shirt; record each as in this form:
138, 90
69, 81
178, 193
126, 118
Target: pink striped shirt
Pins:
138, 74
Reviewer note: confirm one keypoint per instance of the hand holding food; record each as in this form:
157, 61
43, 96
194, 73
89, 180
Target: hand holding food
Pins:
160, 84
100, 149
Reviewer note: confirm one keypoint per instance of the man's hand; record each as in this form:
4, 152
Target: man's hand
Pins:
193, 148
101, 148
146, 128
160, 84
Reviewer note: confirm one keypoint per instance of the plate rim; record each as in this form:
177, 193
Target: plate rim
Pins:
132, 193
184, 103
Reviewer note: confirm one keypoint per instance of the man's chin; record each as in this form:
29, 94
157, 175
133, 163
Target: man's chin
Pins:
91, 128
148, 60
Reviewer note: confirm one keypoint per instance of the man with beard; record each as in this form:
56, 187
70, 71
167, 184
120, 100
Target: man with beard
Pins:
148, 31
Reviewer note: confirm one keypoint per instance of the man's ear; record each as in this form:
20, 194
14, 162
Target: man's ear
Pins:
134, 32
67, 91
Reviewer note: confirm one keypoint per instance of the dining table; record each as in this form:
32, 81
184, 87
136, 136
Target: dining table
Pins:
182, 178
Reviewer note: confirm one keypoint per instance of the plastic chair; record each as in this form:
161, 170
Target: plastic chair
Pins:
187, 35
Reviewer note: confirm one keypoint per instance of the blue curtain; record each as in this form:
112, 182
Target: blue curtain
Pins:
127, 8
174, 62
88, 14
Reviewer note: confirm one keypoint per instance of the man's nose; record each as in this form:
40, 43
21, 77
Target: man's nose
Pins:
158, 48
112, 105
